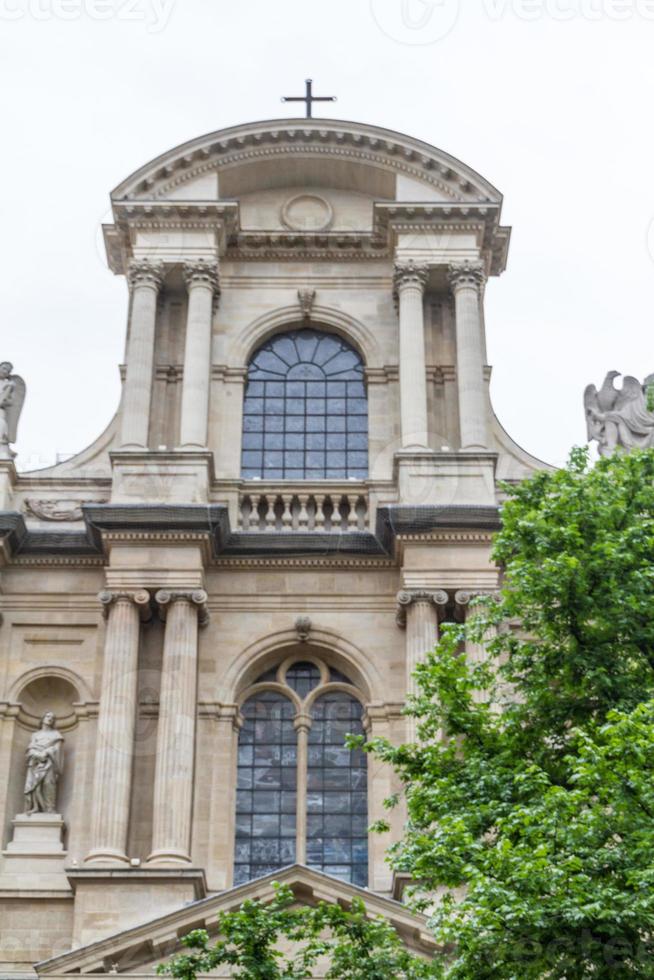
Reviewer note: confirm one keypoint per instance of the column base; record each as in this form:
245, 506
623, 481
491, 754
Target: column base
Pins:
106, 855
168, 857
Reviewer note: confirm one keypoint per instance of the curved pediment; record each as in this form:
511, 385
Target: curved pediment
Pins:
317, 153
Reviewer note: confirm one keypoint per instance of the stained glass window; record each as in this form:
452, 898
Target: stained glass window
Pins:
266, 799
305, 414
337, 803
303, 677
335, 779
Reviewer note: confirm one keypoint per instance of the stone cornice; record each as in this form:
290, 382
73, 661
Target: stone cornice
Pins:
321, 137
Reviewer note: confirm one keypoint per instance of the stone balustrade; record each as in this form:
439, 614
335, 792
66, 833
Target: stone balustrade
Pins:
337, 510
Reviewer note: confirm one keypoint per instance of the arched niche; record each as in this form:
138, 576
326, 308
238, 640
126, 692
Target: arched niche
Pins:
35, 695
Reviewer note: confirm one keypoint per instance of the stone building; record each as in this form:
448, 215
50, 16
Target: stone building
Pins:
299, 485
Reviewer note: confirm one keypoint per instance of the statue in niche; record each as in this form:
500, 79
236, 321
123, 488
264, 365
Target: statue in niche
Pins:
621, 418
44, 767
12, 396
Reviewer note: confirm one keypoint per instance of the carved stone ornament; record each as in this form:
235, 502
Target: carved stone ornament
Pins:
466, 275
12, 397
409, 274
140, 598
56, 510
620, 419
407, 597
196, 597
307, 298
146, 273
303, 628
45, 760
203, 272
307, 212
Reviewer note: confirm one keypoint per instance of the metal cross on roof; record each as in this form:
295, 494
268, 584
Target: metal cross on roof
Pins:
309, 98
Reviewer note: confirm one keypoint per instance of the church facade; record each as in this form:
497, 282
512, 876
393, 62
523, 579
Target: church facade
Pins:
298, 488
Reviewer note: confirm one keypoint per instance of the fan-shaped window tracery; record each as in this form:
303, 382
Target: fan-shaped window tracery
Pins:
305, 413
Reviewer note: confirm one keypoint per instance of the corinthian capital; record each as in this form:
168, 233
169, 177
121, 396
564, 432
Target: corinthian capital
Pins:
410, 274
202, 273
146, 273
140, 598
196, 598
407, 597
466, 274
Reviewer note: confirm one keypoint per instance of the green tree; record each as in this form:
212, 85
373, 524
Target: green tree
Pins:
354, 945
531, 806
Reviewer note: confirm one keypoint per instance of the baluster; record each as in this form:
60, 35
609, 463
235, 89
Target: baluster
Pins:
243, 514
320, 514
287, 512
352, 516
271, 517
254, 517
364, 513
303, 515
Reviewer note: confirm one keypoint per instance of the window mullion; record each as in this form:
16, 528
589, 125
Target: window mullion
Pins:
302, 725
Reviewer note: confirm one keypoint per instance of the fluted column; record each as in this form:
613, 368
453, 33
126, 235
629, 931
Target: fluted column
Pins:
145, 280
202, 283
466, 280
418, 614
410, 281
116, 722
173, 781
475, 651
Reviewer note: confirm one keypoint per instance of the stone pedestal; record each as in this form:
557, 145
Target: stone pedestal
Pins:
166, 477
107, 901
446, 478
35, 856
7, 483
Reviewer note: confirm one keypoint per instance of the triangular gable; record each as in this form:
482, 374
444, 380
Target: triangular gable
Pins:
137, 951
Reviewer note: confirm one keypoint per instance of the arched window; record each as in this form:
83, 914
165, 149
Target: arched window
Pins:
305, 415
291, 777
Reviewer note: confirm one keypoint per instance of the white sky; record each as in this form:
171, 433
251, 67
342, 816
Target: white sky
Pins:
551, 101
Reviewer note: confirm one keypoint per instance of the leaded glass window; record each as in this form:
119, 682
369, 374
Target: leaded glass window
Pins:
305, 414
331, 790
266, 799
337, 803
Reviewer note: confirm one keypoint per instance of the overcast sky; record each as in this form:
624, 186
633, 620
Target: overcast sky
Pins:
552, 102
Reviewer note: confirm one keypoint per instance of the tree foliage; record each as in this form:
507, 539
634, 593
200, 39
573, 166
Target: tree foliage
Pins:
252, 940
531, 805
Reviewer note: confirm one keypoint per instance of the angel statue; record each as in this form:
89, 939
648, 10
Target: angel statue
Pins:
12, 396
44, 767
621, 418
